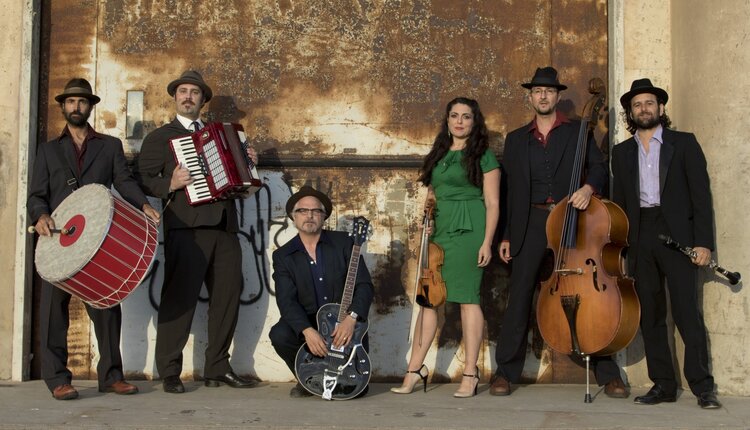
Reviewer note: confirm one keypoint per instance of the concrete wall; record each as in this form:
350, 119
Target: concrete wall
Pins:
17, 60
710, 84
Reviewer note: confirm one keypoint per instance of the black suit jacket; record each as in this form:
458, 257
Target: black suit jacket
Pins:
516, 166
684, 188
154, 171
295, 291
103, 163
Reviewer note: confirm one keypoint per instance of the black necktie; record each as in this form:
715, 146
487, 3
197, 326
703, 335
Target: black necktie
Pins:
196, 125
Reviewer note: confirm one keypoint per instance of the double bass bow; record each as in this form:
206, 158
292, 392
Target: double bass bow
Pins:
588, 306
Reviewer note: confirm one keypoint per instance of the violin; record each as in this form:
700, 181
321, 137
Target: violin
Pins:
430, 286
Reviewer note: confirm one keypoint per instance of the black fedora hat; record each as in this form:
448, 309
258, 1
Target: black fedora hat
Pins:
640, 86
308, 191
191, 77
545, 77
77, 87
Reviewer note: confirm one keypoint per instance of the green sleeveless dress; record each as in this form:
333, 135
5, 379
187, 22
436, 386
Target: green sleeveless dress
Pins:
459, 224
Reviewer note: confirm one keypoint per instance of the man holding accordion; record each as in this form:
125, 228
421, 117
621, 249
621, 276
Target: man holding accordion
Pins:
200, 245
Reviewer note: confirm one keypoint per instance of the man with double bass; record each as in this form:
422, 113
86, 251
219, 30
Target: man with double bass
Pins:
538, 162
661, 181
310, 271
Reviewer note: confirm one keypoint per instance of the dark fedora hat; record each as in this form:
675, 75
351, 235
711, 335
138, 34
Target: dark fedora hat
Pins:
77, 87
308, 191
545, 77
190, 77
640, 86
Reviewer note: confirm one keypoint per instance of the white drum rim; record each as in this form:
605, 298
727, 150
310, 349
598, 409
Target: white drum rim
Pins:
47, 242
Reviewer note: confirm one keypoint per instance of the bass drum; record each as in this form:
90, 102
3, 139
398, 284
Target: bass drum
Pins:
107, 252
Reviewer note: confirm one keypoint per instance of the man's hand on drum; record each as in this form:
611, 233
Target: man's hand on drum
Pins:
151, 213
44, 224
180, 178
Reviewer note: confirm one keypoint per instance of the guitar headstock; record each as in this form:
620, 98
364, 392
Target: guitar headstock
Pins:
360, 229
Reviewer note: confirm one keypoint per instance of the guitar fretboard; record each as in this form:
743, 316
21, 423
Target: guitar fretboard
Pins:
351, 277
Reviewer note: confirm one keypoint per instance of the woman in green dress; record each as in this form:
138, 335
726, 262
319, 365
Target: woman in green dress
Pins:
463, 178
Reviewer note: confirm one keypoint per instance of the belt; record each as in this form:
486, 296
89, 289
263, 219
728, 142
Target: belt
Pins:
545, 206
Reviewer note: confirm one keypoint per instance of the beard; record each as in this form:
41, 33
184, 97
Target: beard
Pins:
646, 122
77, 118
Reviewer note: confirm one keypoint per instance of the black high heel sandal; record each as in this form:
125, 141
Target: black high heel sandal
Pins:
476, 387
404, 389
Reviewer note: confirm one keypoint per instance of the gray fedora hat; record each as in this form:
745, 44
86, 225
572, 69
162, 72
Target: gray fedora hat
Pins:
191, 77
545, 77
640, 86
77, 87
308, 191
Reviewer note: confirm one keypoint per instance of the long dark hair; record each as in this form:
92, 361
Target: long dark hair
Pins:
476, 145
633, 127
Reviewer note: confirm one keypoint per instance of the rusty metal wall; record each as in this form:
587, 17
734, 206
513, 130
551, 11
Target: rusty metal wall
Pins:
320, 84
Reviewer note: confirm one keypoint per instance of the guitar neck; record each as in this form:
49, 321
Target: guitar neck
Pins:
351, 277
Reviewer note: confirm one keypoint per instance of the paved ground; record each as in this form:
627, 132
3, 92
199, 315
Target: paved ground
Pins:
29, 405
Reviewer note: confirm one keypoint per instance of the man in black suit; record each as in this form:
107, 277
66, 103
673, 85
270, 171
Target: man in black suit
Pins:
538, 161
661, 181
201, 245
309, 271
79, 156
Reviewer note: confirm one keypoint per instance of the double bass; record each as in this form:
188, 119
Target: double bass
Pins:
588, 306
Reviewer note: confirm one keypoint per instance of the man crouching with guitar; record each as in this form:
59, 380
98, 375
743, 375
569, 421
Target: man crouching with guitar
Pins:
311, 272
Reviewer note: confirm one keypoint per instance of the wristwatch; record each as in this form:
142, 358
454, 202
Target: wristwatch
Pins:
353, 315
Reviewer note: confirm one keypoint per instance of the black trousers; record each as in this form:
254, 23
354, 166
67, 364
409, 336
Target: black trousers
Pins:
194, 256
54, 323
654, 262
510, 353
286, 342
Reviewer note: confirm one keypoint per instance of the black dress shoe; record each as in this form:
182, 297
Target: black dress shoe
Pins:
708, 400
231, 379
655, 396
173, 384
299, 391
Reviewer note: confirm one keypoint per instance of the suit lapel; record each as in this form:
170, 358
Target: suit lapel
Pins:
631, 160
558, 150
665, 158
70, 158
93, 147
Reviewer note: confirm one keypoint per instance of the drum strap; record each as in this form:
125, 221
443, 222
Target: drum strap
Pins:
72, 181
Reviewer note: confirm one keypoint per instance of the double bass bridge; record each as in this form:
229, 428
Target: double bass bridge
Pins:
566, 272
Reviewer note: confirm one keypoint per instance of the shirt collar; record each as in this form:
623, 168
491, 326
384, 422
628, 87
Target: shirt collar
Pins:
658, 135
297, 244
187, 122
560, 119
91, 134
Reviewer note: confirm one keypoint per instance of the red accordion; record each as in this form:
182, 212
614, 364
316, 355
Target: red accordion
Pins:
217, 159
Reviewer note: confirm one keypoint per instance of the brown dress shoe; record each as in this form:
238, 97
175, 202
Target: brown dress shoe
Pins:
65, 392
616, 389
120, 387
500, 386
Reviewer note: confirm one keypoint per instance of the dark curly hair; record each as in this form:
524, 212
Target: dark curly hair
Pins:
633, 127
476, 145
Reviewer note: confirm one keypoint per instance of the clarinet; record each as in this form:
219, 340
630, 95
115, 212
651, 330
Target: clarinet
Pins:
733, 277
